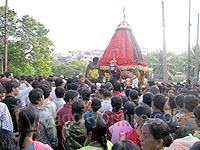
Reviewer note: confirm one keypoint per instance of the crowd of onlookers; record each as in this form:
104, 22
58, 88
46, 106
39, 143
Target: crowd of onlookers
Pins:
45, 113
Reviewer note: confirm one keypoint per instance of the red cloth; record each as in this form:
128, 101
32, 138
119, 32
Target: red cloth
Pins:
124, 49
116, 93
63, 115
88, 106
133, 136
113, 117
39, 145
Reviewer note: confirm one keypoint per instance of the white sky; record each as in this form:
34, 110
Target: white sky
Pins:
90, 24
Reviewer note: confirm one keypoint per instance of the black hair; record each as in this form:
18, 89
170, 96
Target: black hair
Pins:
45, 88
177, 131
59, 92
129, 111
147, 98
98, 127
2, 89
195, 146
78, 109
85, 94
194, 92
124, 99
144, 111
197, 112
96, 104
50, 79
127, 91
73, 86
103, 86
28, 119
183, 91
109, 86
117, 86
36, 84
116, 102
35, 95
125, 145
159, 101
179, 100
40, 78
29, 79
23, 77
151, 82
18, 77
70, 94
9, 85
7, 73
159, 130
69, 80
172, 104
58, 82
190, 102
101, 91
155, 89
93, 88
95, 59
8, 141
133, 95
107, 94
171, 88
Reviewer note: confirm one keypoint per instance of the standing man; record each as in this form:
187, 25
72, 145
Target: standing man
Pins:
92, 71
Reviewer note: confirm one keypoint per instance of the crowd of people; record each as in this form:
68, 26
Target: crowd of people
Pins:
45, 113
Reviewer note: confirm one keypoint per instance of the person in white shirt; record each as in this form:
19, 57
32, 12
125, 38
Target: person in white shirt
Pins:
58, 82
48, 104
24, 90
60, 94
106, 103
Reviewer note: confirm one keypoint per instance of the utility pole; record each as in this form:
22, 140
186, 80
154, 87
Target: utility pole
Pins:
188, 68
6, 38
196, 69
165, 75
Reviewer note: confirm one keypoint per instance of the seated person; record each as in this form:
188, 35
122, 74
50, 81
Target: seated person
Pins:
92, 71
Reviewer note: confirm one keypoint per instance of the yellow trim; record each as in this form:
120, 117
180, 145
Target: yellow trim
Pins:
145, 69
123, 27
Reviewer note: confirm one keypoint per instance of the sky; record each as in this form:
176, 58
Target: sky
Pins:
90, 24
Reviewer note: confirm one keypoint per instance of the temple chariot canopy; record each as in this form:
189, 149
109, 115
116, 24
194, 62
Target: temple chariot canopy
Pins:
123, 51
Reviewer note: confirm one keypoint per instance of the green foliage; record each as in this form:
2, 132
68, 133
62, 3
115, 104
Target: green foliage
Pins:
69, 69
175, 62
28, 46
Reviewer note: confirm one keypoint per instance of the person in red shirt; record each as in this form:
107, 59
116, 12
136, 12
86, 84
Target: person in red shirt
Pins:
65, 113
116, 114
116, 89
85, 94
142, 112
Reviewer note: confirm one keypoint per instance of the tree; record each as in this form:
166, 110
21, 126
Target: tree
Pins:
69, 69
28, 47
155, 61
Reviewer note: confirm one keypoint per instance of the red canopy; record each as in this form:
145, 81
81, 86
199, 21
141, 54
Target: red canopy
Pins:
123, 48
